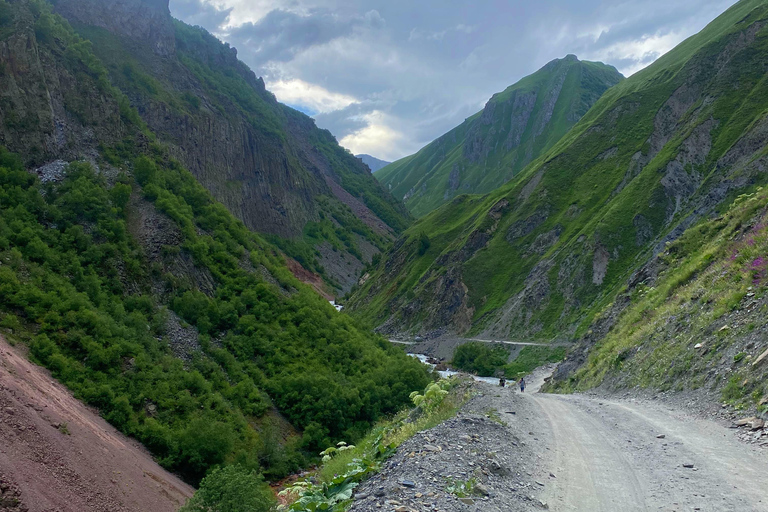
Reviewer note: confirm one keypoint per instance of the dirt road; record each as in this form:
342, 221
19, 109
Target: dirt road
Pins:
632, 456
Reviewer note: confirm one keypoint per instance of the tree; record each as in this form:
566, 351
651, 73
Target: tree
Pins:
231, 489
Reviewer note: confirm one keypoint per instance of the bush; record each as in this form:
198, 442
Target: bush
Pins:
231, 489
480, 358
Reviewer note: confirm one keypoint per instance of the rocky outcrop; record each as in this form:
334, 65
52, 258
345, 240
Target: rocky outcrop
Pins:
148, 21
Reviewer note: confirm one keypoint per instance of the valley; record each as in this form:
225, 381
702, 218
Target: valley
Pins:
208, 303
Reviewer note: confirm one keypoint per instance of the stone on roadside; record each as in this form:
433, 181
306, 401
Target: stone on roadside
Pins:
481, 489
660, 436
762, 357
745, 421
756, 424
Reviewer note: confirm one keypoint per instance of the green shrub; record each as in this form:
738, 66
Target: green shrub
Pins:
483, 359
231, 489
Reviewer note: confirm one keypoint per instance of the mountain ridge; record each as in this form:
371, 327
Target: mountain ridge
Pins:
269, 164
143, 294
494, 145
373, 163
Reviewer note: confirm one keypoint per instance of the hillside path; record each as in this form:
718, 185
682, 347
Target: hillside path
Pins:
608, 456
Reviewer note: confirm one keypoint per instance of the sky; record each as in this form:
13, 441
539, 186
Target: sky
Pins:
387, 77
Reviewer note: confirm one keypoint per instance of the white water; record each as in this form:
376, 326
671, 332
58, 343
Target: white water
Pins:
448, 373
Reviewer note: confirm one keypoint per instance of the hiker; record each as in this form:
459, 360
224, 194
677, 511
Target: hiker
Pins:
502, 382
522, 385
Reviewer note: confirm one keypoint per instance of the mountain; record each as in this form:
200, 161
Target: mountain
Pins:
491, 147
267, 163
140, 291
557, 253
373, 163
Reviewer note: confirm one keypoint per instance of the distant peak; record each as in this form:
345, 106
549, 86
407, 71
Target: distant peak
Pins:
571, 58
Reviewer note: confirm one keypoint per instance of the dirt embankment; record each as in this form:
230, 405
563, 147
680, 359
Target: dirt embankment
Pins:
56, 454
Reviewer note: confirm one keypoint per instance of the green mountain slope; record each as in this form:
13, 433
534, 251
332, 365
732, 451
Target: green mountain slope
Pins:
267, 163
701, 323
147, 297
541, 256
515, 127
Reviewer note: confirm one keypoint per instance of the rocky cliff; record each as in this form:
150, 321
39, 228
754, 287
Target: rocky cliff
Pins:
515, 127
269, 164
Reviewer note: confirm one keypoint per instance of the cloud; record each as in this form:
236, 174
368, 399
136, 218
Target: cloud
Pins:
308, 96
201, 13
633, 55
376, 136
387, 77
281, 35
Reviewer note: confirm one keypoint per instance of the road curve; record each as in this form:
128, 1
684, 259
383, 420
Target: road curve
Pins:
606, 456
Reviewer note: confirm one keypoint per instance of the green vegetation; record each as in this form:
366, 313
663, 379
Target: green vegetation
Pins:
489, 360
482, 359
231, 489
102, 333
491, 147
542, 256
205, 82
531, 358
697, 320
344, 469
461, 488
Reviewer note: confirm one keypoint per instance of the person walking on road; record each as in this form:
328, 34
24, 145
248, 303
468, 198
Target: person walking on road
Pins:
522, 385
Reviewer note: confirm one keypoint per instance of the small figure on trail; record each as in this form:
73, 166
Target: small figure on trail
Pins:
522, 385
502, 382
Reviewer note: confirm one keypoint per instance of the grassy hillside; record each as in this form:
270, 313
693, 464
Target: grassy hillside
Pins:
539, 257
149, 300
702, 322
515, 127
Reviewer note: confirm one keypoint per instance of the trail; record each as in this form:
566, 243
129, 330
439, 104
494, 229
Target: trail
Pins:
606, 456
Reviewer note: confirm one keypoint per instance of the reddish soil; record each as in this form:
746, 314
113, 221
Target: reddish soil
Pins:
307, 277
58, 455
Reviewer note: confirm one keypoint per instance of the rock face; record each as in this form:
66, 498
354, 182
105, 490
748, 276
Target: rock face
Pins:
268, 164
515, 127
143, 20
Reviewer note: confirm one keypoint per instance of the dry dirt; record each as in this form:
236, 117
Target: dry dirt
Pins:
58, 455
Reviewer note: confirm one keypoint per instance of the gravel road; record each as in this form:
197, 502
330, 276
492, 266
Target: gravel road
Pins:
632, 456
574, 453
